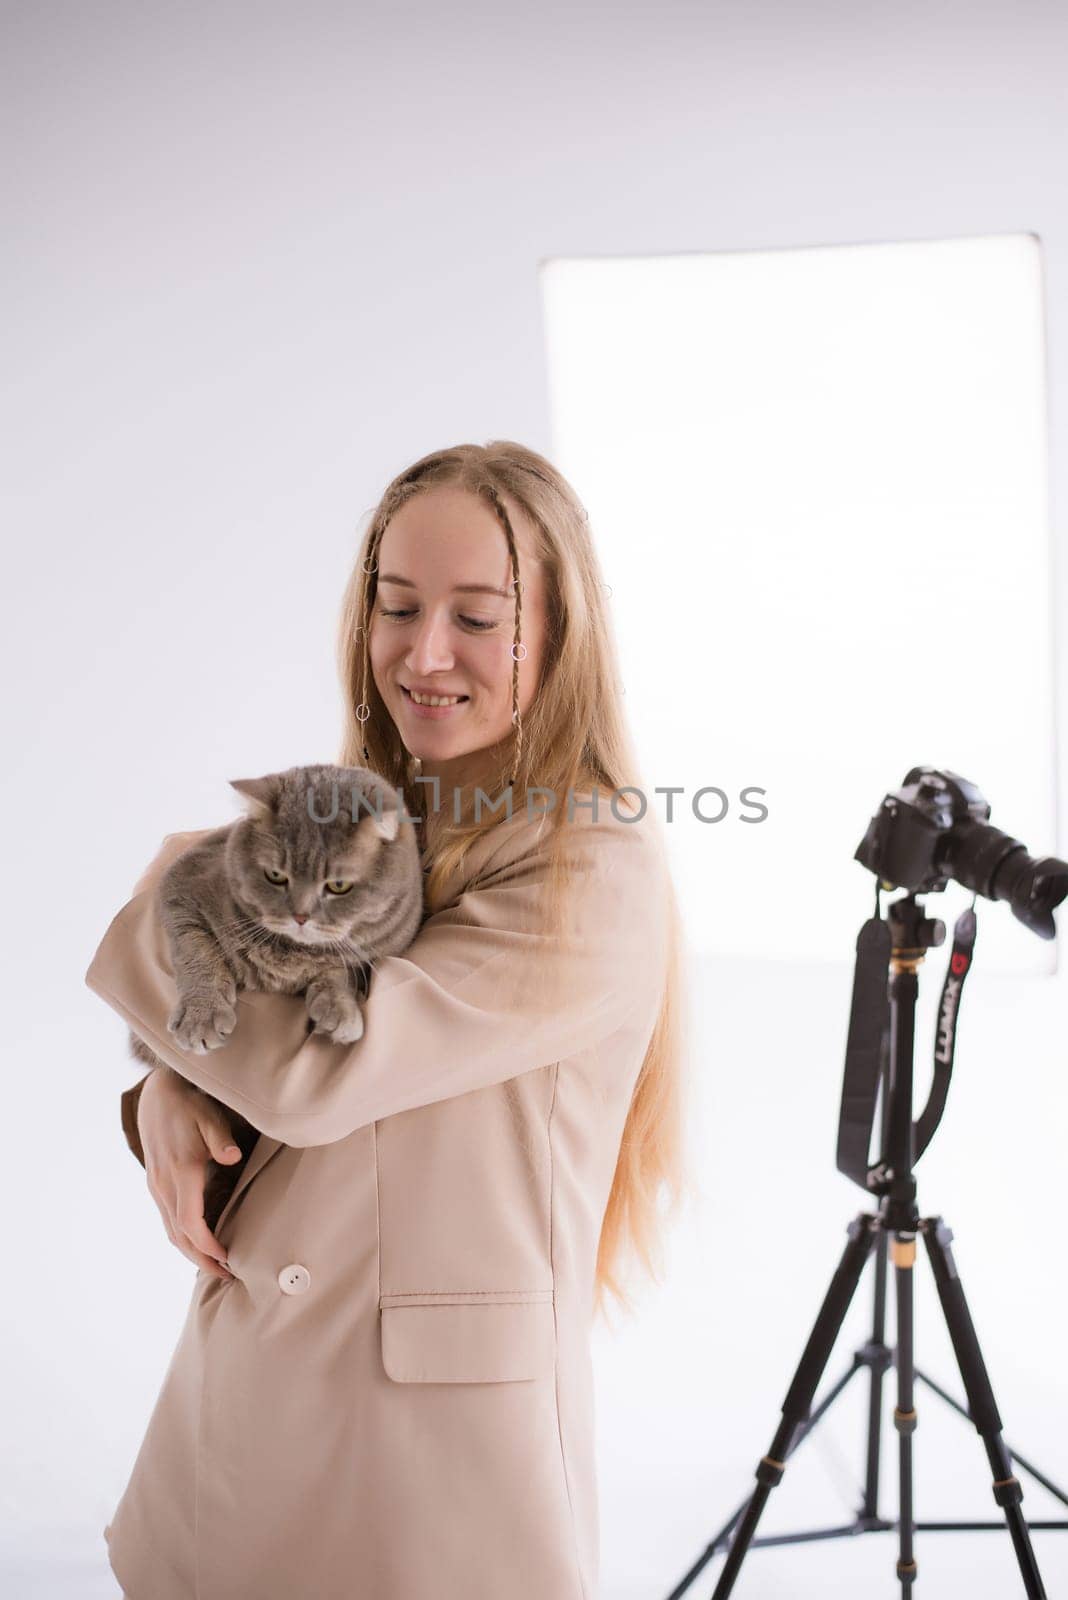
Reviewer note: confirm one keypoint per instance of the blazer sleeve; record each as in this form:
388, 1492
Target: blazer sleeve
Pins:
484, 993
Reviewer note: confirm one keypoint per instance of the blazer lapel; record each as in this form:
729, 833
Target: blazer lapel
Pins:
262, 1151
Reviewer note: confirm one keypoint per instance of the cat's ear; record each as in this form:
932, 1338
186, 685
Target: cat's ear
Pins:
385, 821
263, 792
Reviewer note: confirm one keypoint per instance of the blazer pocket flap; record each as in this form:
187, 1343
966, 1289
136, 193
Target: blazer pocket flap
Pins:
472, 1341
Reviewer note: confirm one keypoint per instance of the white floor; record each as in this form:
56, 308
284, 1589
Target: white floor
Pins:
956, 1567
950, 1566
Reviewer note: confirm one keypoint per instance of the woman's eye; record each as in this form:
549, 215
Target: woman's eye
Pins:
470, 622
339, 885
273, 875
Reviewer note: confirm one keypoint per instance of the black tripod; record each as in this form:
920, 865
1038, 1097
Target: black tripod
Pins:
897, 1221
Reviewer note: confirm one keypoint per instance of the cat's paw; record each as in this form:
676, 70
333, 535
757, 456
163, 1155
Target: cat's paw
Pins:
335, 1013
202, 1022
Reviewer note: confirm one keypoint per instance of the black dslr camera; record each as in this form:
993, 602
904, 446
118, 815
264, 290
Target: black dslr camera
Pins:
935, 828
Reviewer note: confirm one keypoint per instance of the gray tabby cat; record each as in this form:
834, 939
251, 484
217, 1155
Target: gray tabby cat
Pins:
299, 896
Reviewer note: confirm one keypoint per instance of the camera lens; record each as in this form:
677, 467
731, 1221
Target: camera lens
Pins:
993, 864
1033, 889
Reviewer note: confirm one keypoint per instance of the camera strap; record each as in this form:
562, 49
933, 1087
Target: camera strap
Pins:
868, 1047
868, 1040
960, 964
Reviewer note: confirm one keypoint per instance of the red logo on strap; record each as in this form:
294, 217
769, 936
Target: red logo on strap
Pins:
958, 965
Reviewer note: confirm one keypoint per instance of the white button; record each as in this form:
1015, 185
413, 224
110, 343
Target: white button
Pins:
294, 1279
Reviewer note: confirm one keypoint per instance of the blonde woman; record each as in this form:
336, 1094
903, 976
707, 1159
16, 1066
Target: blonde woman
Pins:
383, 1387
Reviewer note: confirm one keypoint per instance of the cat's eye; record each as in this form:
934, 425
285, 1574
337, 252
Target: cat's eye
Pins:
339, 885
273, 875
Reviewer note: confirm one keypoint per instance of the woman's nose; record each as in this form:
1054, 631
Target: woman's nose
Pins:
430, 650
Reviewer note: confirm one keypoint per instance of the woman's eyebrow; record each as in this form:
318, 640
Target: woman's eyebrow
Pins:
459, 588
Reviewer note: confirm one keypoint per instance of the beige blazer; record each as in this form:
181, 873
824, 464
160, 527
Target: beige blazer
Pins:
393, 1401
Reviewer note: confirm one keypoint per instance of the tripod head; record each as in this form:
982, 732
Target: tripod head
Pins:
912, 933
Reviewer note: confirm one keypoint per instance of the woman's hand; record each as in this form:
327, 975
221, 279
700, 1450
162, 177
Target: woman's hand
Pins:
180, 1129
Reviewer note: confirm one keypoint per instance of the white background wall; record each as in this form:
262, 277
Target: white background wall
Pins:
257, 258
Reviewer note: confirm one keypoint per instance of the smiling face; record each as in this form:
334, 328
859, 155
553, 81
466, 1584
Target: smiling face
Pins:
443, 625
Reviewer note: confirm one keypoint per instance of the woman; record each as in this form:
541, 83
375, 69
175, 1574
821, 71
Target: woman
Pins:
383, 1385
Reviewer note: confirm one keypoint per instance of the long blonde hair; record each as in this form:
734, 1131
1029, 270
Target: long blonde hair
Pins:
573, 737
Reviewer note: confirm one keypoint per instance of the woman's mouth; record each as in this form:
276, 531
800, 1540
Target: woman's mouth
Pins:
434, 707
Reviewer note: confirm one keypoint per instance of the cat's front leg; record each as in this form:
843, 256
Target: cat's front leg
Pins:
205, 1018
333, 1007
205, 1014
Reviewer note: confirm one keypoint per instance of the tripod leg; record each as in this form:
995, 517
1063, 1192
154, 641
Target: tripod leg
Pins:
879, 1363
981, 1406
904, 1254
798, 1403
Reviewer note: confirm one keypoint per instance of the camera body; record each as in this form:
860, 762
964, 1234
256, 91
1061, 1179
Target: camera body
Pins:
908, 840
936, 828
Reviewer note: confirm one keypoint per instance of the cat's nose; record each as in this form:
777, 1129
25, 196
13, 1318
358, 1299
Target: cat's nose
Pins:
300, 917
